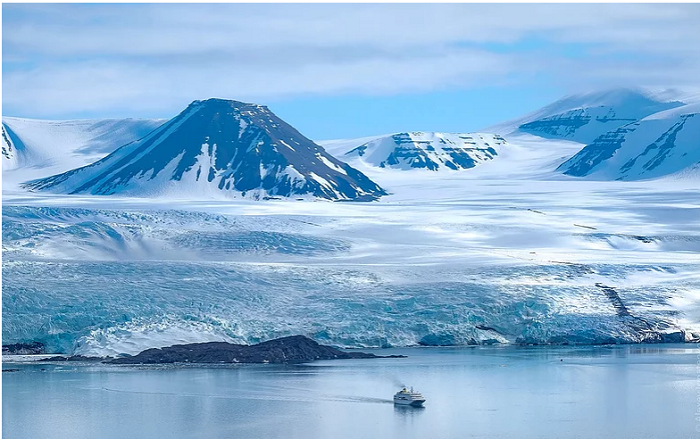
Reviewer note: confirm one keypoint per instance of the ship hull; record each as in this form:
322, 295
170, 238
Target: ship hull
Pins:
415, 403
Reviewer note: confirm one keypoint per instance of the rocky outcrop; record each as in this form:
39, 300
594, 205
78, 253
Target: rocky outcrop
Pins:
32, 348
661, 145
294, 349
73, 358
431, 151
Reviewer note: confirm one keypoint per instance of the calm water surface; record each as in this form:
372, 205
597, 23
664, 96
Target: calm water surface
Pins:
626, 392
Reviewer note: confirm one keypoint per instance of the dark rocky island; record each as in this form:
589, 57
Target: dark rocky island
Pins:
32, 348
76, 358
294, 349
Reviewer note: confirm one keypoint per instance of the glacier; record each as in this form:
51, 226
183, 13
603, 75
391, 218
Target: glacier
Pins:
125, 307
98, 276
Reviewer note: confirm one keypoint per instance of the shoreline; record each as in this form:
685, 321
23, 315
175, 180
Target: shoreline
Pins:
11, 359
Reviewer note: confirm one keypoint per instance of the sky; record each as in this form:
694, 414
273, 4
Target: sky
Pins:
338, 70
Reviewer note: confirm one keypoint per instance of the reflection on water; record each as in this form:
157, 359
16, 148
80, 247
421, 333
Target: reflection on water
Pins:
407, 411
621, 392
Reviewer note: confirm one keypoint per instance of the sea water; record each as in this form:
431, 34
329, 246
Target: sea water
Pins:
621, 392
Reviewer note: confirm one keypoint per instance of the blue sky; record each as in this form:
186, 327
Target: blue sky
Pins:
338, 71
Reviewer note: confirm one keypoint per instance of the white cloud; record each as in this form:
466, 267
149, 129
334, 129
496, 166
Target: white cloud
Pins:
59, 59
104, 85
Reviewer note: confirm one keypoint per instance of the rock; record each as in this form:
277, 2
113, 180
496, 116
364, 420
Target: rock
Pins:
438, 340
488, 328
294, 349
56, 358
32, 348
490, 342
665, 337
673, 337
75, 358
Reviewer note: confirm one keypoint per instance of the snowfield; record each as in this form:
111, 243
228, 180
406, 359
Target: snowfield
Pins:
39, 148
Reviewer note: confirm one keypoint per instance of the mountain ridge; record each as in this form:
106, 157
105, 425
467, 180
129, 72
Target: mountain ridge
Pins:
428, 150
583, 117
219, 145
660, 145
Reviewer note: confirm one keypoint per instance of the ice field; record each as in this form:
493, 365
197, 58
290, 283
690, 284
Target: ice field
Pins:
472, 259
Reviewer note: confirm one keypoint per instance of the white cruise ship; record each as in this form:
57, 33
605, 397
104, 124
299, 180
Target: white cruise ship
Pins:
409, 397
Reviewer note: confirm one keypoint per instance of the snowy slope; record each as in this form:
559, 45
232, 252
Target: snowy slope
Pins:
218, 148
39, 148
584, 117
661, 144
624, 134
428, 150
9, 150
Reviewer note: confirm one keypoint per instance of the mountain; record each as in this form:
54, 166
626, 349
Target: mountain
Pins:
218, 147
428, 150
625, 134
665, 143
9, 150
584, 117
39, 148
46, 143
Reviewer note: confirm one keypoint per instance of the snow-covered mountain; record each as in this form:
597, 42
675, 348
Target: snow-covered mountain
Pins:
428, 150
217, 148
625, 134
583, 117
665, 143
34, 149
9, 150
47, 143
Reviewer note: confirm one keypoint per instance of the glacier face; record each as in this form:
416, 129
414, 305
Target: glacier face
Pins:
108, 281
125, 307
